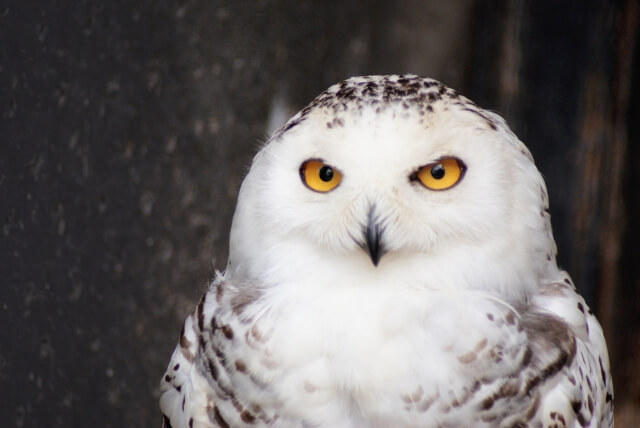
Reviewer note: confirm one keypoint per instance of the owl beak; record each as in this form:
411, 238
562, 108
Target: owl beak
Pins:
374, 246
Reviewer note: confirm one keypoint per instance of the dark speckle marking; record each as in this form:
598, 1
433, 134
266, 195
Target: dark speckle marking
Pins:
219, 291
490, 317
227, 331
576, 406
408, 92
468, 358
602, 372
166, 423
184, 342
219, 419
244, 298
200, 312
487, 403
480, 345
241, 366
176, 367
190, 422
213, 369
581, 307
247, 417
526, 358
257, 334
510, 318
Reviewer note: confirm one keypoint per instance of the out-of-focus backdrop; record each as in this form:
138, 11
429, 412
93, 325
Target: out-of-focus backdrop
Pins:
126, 127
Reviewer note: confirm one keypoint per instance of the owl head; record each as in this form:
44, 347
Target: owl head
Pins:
394, 181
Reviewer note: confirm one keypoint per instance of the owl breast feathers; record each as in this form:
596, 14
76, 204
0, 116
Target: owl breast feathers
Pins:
391, 264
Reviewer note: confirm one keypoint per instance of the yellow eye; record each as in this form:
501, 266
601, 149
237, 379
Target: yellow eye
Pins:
440, 175
319, 176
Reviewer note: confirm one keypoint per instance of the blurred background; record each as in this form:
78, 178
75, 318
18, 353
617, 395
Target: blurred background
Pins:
126, 127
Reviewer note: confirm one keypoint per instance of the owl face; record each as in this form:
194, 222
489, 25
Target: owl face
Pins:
439, 188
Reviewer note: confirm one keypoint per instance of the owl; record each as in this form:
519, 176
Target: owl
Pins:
391, 264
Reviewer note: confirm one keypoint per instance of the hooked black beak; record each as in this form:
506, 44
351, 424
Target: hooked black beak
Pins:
373, 244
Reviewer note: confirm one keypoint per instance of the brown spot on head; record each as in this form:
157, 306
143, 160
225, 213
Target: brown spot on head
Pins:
510, 318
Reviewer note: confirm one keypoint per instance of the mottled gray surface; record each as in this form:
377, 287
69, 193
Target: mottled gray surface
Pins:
127, 126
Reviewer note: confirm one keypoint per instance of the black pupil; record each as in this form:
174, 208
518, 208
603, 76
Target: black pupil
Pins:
326, 173
437, 172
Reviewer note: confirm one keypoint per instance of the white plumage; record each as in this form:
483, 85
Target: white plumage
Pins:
391, 265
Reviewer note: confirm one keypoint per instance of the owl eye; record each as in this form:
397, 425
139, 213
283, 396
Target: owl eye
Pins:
319, 176
440, 175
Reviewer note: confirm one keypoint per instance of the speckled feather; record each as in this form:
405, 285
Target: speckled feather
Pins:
466, 321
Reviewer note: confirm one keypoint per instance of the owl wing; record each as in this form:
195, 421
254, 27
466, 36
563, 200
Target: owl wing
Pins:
558, 376
581, 393
196, 388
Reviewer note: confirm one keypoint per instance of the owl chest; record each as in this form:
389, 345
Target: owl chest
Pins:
323, 353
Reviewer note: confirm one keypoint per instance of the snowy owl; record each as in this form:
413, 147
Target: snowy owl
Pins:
391, 265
